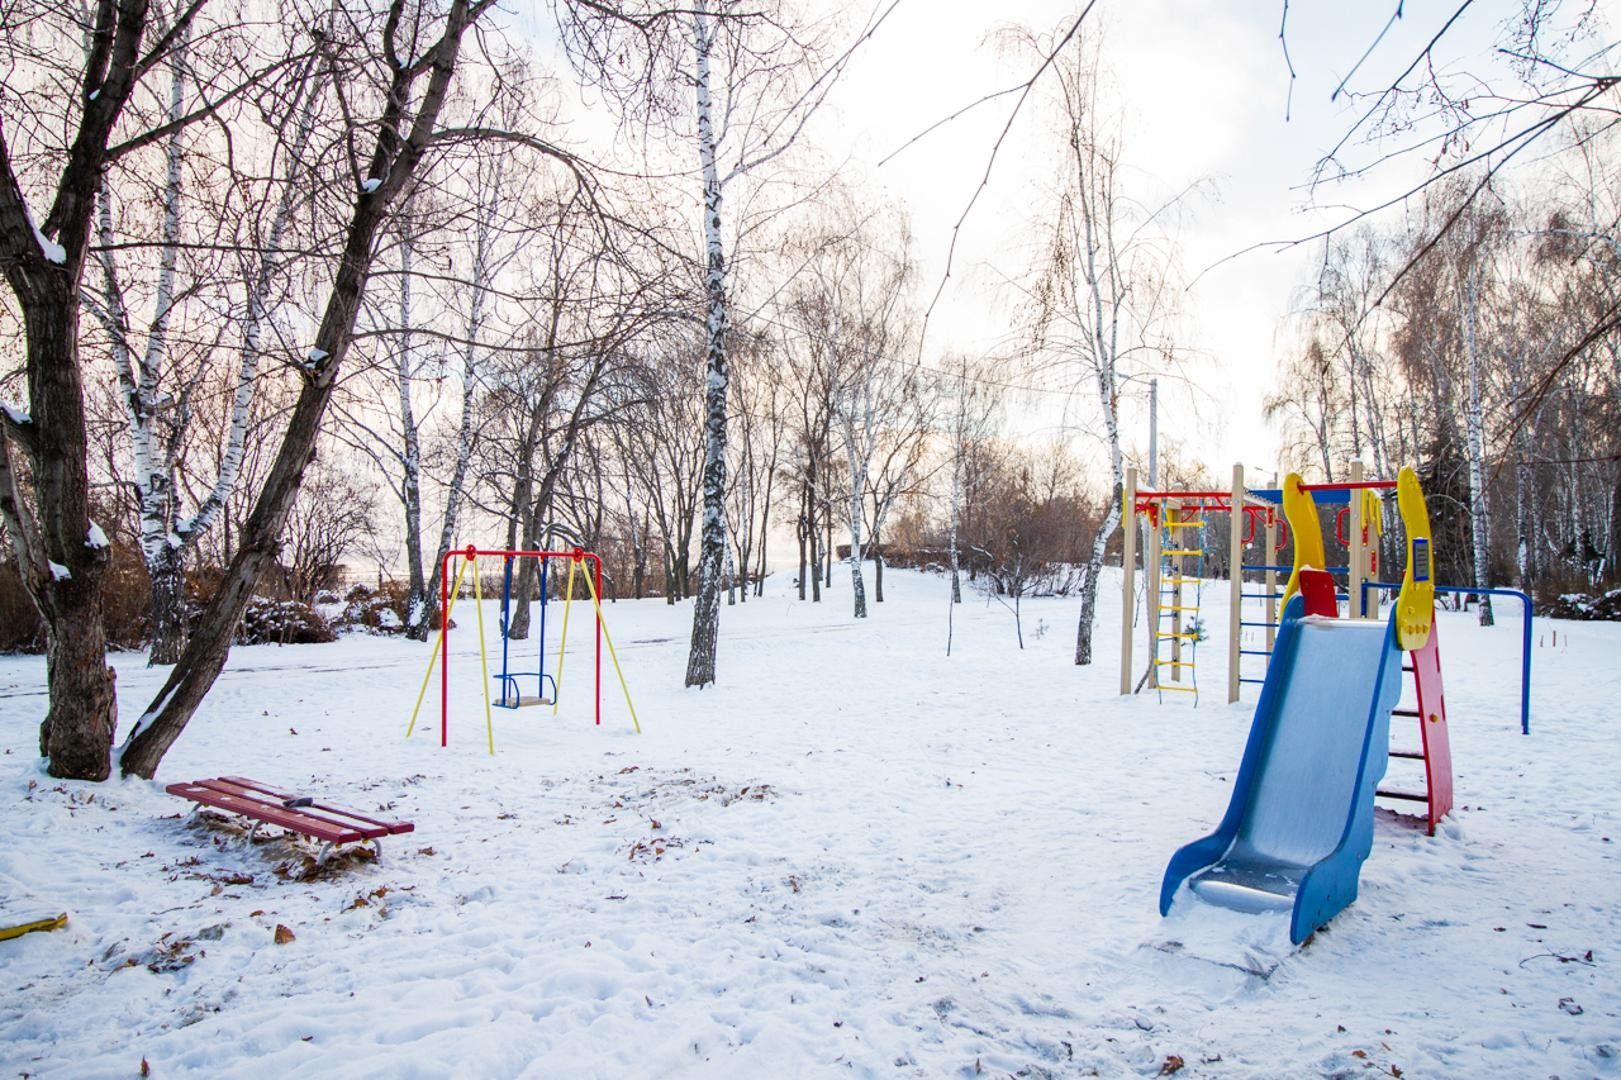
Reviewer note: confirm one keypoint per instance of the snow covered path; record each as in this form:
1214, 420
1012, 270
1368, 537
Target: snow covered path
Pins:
853, 857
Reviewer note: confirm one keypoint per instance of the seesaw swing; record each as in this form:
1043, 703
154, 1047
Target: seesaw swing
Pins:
447, 596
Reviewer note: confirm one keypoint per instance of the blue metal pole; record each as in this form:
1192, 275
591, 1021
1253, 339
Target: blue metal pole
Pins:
506, 618
541, 681
1525, 634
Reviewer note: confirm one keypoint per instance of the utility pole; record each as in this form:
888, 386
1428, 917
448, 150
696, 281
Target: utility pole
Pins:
1153, 485
1153, 434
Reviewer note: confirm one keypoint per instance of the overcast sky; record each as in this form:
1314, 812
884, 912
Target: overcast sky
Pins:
1204, 87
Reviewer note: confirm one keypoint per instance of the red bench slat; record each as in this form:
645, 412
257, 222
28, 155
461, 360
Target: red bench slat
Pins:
395, 827
255, 800
226, 788
268, 813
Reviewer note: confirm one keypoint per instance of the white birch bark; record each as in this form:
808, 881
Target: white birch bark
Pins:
410, 454
712, 543
1476, 435
466, 434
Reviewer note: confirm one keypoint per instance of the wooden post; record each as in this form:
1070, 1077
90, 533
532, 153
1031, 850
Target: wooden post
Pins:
1128, 559
1357, 571
1235, 580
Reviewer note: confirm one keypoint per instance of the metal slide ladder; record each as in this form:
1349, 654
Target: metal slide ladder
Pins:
1182, 554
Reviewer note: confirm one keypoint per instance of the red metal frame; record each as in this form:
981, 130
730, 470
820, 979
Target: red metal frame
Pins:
1360, 485
470, 552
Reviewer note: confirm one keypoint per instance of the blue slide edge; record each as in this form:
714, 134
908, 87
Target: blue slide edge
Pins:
1331, 884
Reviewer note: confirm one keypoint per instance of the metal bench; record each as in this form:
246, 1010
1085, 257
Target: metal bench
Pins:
302, 814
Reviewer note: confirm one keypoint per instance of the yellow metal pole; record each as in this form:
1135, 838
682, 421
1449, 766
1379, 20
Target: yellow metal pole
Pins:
568, 600
483, 655
614, 656
434, 655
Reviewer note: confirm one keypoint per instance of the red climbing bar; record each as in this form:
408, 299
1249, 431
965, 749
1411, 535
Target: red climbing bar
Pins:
1376, 485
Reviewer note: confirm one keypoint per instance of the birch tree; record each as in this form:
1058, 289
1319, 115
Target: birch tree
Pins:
1101, 298
755, 76
406, 126
161, 391
969, 420
69, 106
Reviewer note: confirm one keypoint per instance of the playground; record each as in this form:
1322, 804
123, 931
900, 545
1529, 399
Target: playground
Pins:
864, 859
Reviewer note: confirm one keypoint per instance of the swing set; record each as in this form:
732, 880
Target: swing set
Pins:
510, 694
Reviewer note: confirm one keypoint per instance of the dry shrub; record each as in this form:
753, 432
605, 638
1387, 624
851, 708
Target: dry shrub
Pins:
375, 611
282, 622
125, 605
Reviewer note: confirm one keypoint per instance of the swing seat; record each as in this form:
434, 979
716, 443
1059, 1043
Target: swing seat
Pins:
513, 697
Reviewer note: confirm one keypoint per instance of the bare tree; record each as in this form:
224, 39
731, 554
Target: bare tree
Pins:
406, 127
72, 111
755, 76
1101, 297
169, 383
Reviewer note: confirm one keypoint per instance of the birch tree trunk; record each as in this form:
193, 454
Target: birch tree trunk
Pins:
1476, 436
417, 616
712, 540
466, 431
854, 450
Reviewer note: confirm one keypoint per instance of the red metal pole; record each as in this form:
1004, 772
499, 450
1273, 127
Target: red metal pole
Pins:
444, 651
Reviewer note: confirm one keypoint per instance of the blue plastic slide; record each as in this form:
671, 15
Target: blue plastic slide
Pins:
1301, 818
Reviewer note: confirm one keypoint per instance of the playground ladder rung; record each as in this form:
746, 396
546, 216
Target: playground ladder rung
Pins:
1410, 796
1253, 680
1183, 551
1177, 580
1182, 689
1405, 712
1414, 755
1254, 652
1177, 607
1185, 634
1194, 524
1186, 661
1260, 595
1242, 623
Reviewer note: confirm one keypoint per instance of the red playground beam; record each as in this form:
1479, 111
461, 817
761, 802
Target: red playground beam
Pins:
1377, 485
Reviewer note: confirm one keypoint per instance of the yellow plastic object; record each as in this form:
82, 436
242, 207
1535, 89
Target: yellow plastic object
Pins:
50, 922
1415, 604
1301, 510
1373, 514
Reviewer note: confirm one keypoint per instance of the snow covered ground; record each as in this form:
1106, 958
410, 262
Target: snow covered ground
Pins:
853, 857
